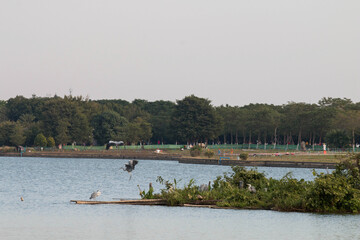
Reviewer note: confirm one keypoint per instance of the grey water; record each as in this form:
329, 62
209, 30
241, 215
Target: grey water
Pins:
48, 184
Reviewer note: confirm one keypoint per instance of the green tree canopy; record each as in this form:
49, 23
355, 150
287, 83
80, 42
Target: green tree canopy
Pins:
76, 119
161, 112
109, 125
40, 140
50, 142
195, 119
18, 106
7, 130
138, 130
3, 116
349, 120
17, 137
337, 139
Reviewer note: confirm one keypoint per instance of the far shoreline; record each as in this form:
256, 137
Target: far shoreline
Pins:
261, 161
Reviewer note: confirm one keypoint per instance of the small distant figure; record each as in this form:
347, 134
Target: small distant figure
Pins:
171, 189
204, 187
95, 194
129, 167
112, 143
22, 199
251, 189
303, 146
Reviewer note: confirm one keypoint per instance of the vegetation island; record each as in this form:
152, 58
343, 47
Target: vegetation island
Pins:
335, 192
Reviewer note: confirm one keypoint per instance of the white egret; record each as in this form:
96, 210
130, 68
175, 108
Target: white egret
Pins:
95, 194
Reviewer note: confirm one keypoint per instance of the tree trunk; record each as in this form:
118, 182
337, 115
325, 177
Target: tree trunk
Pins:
249, 138
299, 140
353, 139
313, 142
265, 140
275, 137
285, 142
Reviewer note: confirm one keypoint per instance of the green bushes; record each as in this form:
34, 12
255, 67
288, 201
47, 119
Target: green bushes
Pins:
287, 194
331, 193
251, 176
244, 156
195, 151
339, 191
209, 153
336, 192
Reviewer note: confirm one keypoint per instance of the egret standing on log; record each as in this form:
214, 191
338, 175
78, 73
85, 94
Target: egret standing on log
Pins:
130, 166
95, 194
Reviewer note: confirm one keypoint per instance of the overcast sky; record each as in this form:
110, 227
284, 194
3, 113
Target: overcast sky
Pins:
231, 52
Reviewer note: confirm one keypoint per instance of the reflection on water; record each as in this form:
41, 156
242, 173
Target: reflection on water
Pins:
47, 185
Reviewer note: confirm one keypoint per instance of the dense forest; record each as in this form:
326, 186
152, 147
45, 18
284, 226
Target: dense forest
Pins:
64, 120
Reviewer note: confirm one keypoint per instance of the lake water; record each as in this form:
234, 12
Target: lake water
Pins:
47, 185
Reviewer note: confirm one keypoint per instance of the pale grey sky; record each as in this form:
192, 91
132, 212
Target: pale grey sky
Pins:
231, 52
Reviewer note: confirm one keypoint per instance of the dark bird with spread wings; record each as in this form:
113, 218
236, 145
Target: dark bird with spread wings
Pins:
130, 166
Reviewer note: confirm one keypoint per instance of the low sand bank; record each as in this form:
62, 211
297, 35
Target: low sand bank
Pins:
265, 161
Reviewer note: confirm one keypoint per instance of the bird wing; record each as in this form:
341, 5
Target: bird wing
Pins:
127, 167
133, 163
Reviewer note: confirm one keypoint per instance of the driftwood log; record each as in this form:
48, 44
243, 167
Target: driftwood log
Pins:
162, 202
128, 202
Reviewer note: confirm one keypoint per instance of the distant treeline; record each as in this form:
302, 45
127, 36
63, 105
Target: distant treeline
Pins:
26, 121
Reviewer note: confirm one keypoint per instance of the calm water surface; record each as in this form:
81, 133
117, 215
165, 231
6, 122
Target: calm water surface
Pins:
47, 185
